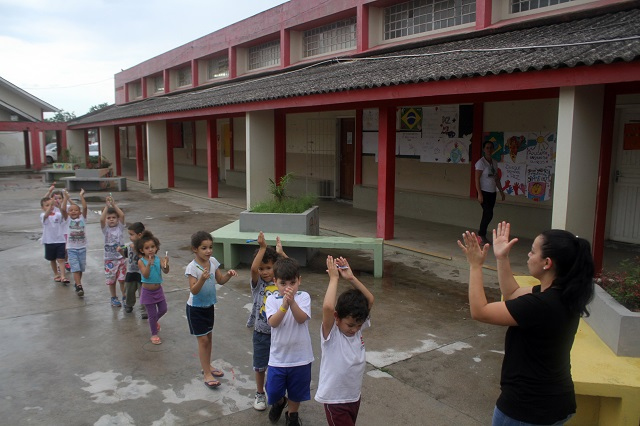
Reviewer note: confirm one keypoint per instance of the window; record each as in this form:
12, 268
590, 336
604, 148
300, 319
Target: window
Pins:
158, 84
524, 5
135, 90
184, 76
264, 55
218, 67
339, 35
420, 16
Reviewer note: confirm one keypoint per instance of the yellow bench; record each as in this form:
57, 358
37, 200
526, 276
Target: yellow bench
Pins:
607, 386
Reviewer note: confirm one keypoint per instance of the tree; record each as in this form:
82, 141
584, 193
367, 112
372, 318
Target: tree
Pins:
98, 107
61, 117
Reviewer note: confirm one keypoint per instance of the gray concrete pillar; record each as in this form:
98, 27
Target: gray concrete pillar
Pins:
260, 155
157, 156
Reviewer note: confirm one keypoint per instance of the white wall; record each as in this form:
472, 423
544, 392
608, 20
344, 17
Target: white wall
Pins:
12, 149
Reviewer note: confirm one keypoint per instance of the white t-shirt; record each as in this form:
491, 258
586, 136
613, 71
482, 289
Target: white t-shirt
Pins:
76, 238
53, 227
112, 239
290, 341
487, 180
342, 366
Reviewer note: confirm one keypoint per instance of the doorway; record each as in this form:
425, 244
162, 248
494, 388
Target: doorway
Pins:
347, 144
625, 205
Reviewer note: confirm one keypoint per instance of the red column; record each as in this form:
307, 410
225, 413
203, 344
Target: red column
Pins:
233, 66
118, 159
139, 153
476, 145
166, 79
358, 148
362, 27
171, 179
63, 139
280, 144
386, 172
212, 158
194, 73
231, 149
27, 150
604, 171
483, 14
285, 48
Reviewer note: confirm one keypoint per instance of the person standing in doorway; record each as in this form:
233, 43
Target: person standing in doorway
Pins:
487, 181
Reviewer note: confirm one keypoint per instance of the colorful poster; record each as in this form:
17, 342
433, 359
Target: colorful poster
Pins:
513, 178
457, 150
515, 148
411, 119
538, 182
441, 121
541, 149
498, 143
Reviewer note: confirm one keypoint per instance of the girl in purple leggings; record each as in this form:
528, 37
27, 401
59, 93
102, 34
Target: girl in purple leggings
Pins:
151, 294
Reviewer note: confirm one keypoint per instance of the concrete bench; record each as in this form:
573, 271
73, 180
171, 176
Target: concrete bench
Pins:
51, 175
607, 386
229, 240
74, 183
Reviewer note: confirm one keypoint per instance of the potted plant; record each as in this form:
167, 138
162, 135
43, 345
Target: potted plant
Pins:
284, 214
615, 309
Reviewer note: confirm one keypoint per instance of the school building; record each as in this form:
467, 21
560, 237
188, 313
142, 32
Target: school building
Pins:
386, 103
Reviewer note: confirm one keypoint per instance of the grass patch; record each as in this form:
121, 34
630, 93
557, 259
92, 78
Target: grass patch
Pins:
286, 205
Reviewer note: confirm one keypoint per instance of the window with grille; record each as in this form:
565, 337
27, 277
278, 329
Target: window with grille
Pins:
264, 55
158, 84
420, 16
184, 76
524, 5
218, 67
338, 35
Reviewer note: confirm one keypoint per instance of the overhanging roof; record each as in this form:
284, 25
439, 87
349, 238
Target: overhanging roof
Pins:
579, 43
42, 104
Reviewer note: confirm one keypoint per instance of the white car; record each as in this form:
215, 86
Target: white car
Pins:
51, 152
94, 151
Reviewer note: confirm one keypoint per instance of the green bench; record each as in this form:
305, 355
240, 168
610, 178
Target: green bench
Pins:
228, 242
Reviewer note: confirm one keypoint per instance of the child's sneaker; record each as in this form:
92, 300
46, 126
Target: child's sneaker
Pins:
276, 410
79, 290
292, 419
115, 302
260, 403
67, 267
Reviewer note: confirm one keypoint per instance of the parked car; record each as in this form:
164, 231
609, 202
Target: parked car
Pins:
51, 152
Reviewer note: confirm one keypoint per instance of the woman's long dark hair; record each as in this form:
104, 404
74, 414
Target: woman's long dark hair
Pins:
574, 268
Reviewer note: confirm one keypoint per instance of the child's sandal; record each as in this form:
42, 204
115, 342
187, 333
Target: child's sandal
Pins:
156, 340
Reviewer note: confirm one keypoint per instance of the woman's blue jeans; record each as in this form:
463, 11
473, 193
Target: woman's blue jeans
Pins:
501, 419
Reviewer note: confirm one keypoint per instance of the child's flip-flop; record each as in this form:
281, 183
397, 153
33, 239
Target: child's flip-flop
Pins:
214, 372
212, 384
155, 340
57, 279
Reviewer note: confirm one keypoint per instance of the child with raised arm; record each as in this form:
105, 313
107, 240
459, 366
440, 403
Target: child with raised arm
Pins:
112, 224
151, 269
77, 240
343, 354
262, 285
132, 280
291, 354
54, 224
201, 273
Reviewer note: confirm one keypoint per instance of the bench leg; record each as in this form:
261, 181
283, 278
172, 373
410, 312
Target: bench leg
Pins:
231, 259
378, 261
218, 253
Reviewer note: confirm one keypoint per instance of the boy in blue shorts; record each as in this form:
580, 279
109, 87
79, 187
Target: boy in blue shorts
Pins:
290, 357
77, 240
262, 286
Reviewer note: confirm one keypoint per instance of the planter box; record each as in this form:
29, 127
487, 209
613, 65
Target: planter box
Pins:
93, 173
306, 223
617, 326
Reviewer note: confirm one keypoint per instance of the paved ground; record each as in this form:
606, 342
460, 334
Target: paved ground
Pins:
71, 361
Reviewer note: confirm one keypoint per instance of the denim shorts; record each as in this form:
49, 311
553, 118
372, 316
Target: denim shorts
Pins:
77, 259
501, 419
261, 348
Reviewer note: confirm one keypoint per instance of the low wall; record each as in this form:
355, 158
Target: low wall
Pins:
236, 178
189, 171
526, 221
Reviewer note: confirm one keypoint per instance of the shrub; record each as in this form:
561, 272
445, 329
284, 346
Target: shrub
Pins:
286, 205
623, 286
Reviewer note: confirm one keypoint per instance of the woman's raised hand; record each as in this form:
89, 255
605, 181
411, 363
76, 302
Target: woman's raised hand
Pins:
501, 244
470, 247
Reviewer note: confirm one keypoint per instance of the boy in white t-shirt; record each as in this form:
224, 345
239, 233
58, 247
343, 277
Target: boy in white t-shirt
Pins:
77, 240
343, 354
288, 312
54, 226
